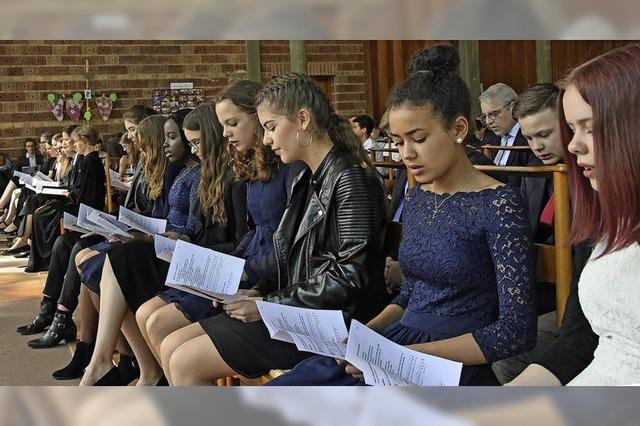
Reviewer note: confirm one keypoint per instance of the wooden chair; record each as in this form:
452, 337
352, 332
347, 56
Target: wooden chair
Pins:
107, 185
486, 149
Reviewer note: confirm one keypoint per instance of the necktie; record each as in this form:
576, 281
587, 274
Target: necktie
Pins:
546, 218
503, 155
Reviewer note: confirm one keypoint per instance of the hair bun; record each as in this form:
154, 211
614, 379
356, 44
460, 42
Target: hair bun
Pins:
441, 59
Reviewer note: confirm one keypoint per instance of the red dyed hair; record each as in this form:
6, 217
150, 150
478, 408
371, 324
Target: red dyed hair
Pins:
610, 84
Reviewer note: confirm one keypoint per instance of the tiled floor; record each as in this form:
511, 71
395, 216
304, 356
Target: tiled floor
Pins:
20, 295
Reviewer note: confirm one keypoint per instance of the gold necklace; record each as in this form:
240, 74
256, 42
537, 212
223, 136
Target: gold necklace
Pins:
435, 200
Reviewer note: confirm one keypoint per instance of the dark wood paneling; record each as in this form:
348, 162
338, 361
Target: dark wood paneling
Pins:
566, 55
385, 63
512, 62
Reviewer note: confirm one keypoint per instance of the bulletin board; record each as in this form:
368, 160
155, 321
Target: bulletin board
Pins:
168, 101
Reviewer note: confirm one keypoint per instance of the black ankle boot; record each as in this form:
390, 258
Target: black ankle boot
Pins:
128, 368
62, 330
42, 320
79, 362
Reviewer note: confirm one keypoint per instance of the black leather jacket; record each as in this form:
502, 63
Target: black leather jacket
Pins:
329, 250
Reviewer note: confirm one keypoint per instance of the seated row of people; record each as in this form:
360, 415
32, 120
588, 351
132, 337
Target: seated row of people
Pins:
303, 205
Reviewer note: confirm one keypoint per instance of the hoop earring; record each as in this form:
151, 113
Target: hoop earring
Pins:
298, 140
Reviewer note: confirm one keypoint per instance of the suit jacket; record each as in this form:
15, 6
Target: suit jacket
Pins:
24, 162
516, 158
537, 191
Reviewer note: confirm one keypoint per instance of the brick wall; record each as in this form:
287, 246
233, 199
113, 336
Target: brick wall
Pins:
29, 70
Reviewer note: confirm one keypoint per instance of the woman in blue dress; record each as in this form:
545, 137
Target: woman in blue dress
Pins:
467, 292
268, 185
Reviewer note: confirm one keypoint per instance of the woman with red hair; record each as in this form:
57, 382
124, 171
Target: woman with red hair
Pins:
598, 117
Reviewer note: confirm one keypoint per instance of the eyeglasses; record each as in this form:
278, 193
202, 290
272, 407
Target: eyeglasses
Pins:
194, 143
492, 115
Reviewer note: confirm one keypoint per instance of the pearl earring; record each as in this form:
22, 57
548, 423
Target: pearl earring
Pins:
459, 141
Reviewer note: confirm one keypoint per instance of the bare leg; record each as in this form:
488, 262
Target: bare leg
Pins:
150, 371
121, 345
163, 322
113, 308
198, 363
173, 341
88, 316
13, 207
6, 195
83, 255
142, 315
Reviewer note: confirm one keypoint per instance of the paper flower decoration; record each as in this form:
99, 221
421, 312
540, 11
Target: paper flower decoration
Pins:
74, 107
56, 106
105, 105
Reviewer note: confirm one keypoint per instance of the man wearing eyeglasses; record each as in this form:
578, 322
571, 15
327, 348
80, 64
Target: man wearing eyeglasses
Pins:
496, 104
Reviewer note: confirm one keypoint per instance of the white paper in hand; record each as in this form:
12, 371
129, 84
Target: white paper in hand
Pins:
84, 222
311, 330
116, 183
109, 223
70, 222
164, 247
148, 225
386, 363
205, 272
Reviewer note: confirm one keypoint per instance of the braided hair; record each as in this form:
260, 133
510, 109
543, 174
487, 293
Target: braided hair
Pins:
287, 93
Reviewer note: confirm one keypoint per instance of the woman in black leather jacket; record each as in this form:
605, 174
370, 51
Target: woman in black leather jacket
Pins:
328, 246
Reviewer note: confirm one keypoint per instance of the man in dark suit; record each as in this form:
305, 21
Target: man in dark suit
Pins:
32, 158
496, 104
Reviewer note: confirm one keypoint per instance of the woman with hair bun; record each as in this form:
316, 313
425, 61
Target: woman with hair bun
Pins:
467, 290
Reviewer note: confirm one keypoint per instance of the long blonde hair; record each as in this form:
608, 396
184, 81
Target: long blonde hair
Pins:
151, 137
215, 160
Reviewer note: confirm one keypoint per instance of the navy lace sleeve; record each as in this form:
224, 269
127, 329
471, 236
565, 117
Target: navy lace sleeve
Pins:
402, 299
507, 234
183, 203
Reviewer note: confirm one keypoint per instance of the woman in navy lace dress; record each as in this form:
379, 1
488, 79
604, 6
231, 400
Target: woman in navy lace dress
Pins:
467, 291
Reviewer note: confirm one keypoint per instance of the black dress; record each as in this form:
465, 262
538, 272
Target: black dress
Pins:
142, 275
86, 186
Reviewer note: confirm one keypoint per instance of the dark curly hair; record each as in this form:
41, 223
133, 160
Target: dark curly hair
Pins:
433, 83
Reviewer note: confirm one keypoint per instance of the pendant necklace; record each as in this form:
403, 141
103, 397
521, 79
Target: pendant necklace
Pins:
435, 200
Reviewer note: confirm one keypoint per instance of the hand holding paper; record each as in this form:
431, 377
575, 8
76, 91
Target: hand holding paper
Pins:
164, 247
145, 224
205, 272
379, 360
244, 310
319, 331
384, 362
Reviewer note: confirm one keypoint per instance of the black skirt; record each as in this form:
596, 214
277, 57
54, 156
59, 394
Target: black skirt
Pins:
140, 274
248, 349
